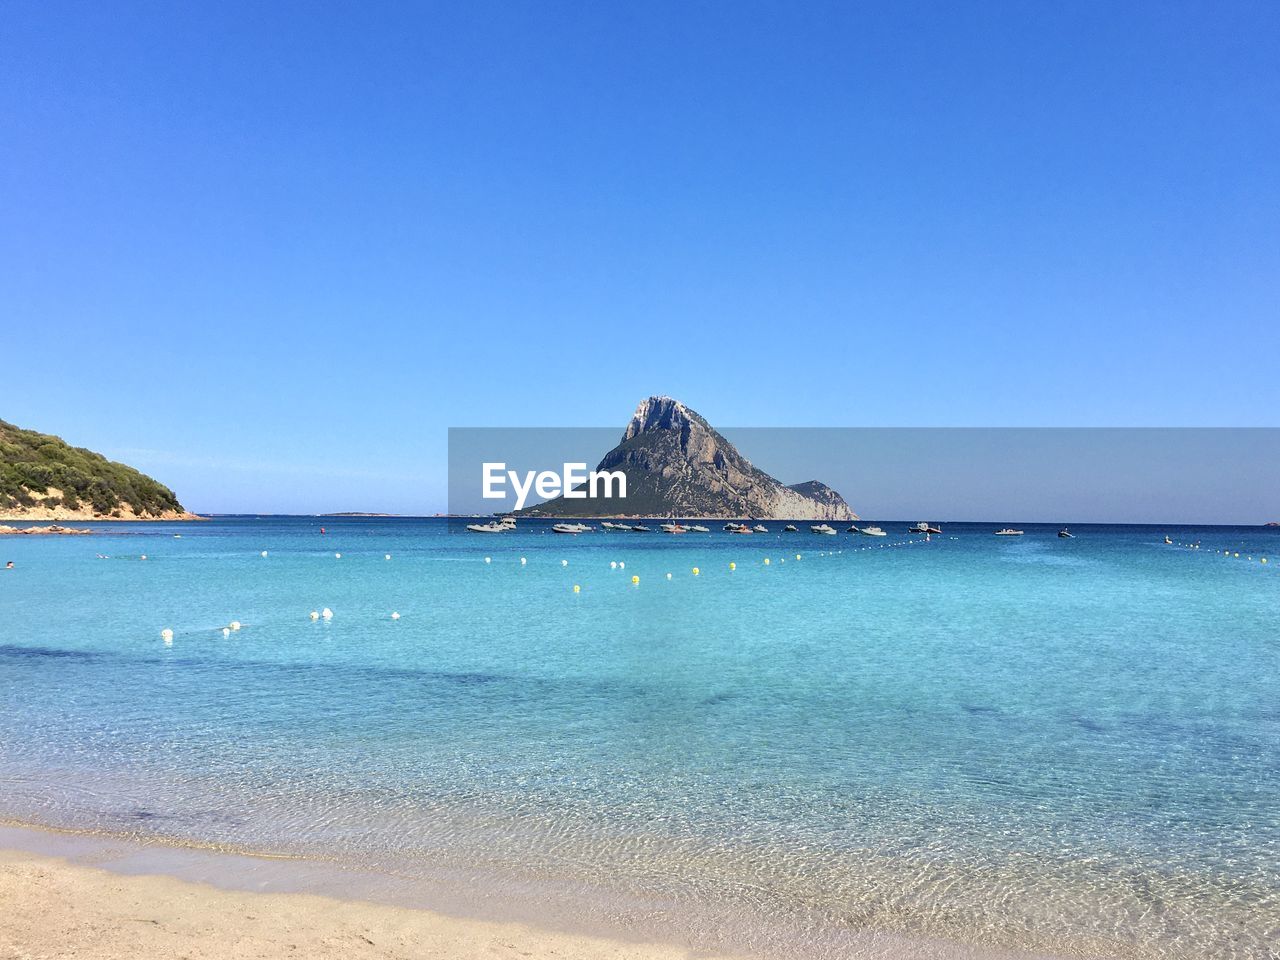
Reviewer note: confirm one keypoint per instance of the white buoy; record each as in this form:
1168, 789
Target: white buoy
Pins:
226, 631
264, 553
564, 563
235, 624
523, 561
386, 556
337, 556
167, 635
488, 559
621, 565
144, 556
327, 613
315, 614
394, 615
668, 576
613, 564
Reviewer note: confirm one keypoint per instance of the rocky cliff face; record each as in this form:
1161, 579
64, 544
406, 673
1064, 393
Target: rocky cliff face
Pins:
677, 465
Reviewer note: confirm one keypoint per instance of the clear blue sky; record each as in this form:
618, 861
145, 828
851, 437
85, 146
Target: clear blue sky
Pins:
270, 252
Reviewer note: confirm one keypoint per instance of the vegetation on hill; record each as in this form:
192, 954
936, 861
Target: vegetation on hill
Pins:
32, 464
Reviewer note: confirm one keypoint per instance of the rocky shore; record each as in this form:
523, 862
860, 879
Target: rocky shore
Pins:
52, 530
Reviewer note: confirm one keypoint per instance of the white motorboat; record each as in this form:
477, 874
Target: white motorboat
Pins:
614, 527
760, 528
573, 528
789, 528
923, 527
698, 528
738, 528
640, 528
673, 528
491, 527
1009, 532
872, 532
824, 529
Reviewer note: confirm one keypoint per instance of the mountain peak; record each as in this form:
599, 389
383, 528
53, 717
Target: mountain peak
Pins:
678, 465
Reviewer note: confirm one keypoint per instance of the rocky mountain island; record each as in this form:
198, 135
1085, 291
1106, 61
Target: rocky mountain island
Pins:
677, 465
42, 477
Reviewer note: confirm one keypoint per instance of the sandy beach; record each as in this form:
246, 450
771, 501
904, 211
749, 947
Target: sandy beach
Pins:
54, 908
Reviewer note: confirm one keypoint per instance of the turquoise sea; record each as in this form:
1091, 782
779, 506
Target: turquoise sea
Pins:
1067, 747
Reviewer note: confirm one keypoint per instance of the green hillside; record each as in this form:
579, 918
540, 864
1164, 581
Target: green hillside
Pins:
32, 463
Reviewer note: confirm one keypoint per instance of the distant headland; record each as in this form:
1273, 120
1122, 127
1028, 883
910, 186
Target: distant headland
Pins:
42, 477
677, 465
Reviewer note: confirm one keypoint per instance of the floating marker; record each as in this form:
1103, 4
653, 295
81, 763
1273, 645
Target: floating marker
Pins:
167, 634
622, 565
315, 615
668, 576
386, 556
394, 615
226, 631
635, 579
564, 563
1264, 559
576, 588
337, 556
523, 561
235, 624
695, 571
488, 559
766, 561
327, 613
613, 564
144, 556
797, 556
732, 565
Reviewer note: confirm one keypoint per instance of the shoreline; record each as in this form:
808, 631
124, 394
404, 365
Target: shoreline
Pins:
55, 907
112, 897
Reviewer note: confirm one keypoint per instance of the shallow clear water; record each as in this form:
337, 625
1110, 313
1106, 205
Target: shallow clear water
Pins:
1065, 745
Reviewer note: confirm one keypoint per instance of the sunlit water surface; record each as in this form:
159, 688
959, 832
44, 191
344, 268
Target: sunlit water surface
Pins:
1068, 746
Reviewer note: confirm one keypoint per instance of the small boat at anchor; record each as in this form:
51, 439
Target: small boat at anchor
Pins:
760, 528
872, 532
789, 528
571, 528
738, 528
1009, 532
673, 528
698, 528
614, 527
925, 528
822, 528
491, 527
1065, 534
640, 528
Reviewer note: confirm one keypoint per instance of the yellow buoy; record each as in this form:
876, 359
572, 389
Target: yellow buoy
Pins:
315, 614
797, 556
695, 571
576, 588
766, 561
635, 579
732, 565
1264, 559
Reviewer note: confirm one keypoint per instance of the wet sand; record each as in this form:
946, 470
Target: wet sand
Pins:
55, 908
